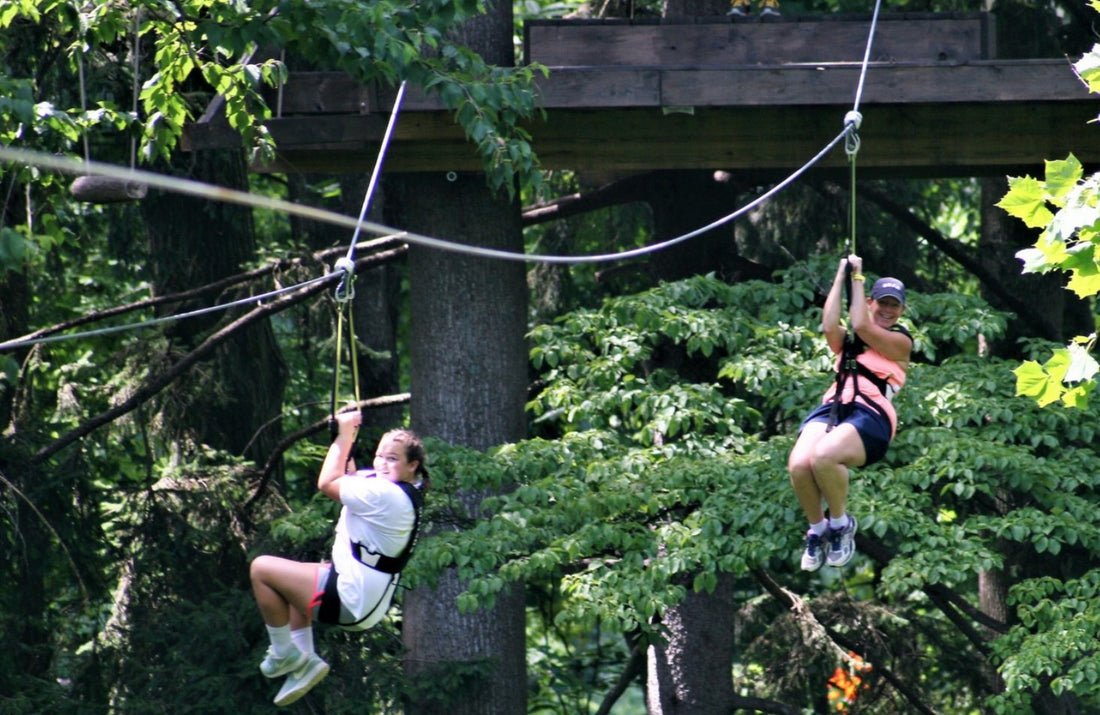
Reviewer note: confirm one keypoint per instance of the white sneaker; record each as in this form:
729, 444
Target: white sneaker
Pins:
273, 666
302, 680
842, 543
813, 557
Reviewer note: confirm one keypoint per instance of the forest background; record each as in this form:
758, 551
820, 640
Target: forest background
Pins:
611, 528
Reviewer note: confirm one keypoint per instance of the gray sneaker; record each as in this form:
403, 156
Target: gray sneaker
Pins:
814, 554
302, 680
273, 667
842, 543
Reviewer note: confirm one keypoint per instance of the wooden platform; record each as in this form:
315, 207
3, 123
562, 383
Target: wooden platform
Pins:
720, 93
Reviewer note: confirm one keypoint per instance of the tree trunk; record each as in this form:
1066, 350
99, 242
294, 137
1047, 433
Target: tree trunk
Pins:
469, 376
683, 201
690, 674
469, 381
193, 241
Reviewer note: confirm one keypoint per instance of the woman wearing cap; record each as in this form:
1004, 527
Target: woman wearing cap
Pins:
855, 422
378, 522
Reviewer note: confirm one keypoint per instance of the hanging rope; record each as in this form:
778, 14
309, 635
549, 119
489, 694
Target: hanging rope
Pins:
100, 189
343, 313
345, 291
852, 122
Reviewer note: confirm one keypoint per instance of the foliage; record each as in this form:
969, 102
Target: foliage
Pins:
656, 475
1065, 204
661, 423
201, 48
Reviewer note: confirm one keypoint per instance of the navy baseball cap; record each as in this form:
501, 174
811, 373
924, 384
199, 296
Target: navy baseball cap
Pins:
888, 288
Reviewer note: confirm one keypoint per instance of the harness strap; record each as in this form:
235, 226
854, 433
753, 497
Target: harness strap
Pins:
850, 367
329, 611
393, 564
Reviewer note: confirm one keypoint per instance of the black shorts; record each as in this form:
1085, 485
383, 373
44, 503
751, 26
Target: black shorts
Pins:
873, 428
327, 607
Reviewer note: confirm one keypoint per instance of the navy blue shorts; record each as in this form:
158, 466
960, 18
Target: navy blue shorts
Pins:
873, 428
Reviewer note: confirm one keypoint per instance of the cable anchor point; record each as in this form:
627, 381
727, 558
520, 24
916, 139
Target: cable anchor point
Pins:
345, 291
852, 122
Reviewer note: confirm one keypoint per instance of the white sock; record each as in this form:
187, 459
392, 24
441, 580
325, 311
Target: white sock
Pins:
303, 638
280, 639
838, 522
820, 527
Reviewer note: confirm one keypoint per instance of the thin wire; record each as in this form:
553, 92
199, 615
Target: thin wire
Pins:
134, 87
377, 168
83, 105
13, 344
866, 57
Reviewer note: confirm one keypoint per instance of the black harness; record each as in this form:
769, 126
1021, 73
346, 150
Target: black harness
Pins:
393, 564
849, 368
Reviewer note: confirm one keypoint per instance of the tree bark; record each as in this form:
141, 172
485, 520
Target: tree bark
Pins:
690, 673
193, 242
469, 376
469, 380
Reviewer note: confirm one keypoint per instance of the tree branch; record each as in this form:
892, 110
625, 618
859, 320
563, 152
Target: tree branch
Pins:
942, 596
293, 438
818, 632
634, 667
618, 192
377, 245
159, 382
950, 249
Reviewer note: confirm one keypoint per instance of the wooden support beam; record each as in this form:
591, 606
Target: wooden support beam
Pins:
721, 41
672, 95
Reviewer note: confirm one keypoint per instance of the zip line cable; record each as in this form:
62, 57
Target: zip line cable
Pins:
218, 193
188, 187
377, 169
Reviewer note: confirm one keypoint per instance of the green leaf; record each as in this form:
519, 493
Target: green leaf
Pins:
1062, 176
1085, 285
1026, 201
1033, 381
1088, 69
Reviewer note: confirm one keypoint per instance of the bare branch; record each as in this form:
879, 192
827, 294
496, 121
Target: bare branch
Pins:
816, 632
161, 381
215, 287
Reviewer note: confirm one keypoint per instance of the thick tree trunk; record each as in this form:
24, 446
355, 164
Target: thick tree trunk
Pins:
469, 380
682, 201
193, 242
469, 376
690, 674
